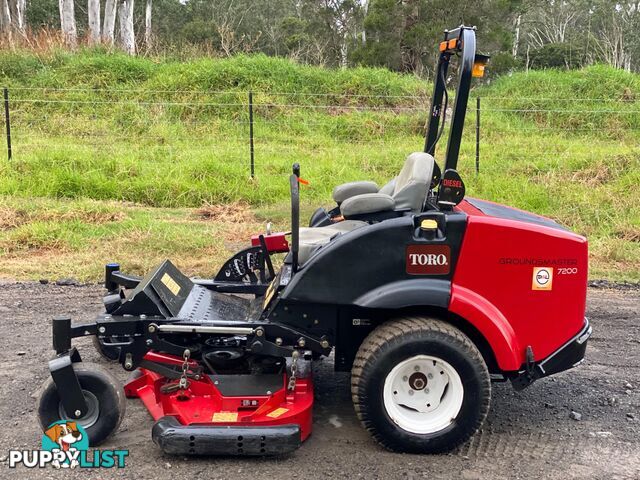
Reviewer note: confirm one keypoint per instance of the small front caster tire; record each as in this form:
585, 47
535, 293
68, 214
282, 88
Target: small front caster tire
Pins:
105, 400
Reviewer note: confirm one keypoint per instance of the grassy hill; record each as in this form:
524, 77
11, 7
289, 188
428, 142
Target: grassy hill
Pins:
137, 160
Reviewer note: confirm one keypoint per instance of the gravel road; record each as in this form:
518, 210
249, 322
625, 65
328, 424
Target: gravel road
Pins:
529, 434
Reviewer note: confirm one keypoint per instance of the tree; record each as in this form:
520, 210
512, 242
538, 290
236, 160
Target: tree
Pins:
147, 24
5, 20
17, 9
615, 40
109, 22
93, 11
68, 22
127, 35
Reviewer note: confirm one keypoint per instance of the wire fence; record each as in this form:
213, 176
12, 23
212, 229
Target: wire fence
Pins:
260, 133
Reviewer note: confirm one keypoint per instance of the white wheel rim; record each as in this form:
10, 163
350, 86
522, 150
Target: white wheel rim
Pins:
423, 394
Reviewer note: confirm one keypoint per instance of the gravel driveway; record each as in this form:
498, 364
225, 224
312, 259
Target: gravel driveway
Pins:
528, 434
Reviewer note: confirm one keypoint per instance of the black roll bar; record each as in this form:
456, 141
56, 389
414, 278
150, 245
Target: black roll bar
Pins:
295, 216
460, 42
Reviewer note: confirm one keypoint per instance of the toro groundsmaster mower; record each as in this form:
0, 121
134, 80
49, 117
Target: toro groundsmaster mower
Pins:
425, 296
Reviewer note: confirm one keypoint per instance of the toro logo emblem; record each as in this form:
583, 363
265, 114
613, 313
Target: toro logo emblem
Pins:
428, 259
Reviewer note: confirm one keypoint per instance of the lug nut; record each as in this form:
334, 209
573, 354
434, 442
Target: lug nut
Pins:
128, 362
152, 328
260, 332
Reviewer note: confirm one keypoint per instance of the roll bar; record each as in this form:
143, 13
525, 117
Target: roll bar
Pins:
295, 216
460, 42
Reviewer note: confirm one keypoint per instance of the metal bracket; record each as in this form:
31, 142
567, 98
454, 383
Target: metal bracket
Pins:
61, 334
67, 384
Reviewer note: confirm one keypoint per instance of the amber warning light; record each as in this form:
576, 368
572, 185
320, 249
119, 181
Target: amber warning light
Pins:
479, 65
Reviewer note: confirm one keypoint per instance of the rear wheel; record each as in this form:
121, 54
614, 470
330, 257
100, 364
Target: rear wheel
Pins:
103, 395
420, 385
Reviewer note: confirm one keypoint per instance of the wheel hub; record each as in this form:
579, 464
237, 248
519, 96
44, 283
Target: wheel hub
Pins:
418, 381
89, 418
423, 394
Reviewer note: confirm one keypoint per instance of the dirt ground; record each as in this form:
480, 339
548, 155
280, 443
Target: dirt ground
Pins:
528, 434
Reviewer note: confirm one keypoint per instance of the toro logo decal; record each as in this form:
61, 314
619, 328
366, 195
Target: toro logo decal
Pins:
428, 259
542, 278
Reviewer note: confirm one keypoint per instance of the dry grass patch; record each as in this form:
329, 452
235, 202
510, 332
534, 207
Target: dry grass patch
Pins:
628, 233
228, 213
8, 218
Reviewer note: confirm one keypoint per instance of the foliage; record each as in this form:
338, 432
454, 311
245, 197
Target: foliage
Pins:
155, 140
397, 35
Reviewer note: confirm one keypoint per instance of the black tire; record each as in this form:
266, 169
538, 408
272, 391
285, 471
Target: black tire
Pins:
106, 394
107, 352
400, 340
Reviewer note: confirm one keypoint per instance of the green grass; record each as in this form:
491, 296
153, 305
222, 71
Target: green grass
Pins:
117, 166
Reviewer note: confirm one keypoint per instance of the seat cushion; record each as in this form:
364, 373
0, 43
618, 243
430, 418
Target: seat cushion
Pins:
312, 238
412, 183
346, 190
367, 203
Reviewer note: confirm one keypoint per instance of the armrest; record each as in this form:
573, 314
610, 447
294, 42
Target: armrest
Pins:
367, 203
347, 190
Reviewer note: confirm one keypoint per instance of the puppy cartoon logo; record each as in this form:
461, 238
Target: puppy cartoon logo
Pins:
65, 444
64, 436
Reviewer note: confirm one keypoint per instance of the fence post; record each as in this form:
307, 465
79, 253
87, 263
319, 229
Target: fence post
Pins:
251, 133
477, 135
7, 121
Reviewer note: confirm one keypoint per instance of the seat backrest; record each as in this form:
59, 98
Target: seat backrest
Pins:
410, 188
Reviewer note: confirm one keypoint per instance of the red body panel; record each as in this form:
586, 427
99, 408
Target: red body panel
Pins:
494, 288
202, 400
276, 242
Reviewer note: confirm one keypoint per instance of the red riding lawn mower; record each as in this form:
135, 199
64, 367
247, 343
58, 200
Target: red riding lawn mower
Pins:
426, 297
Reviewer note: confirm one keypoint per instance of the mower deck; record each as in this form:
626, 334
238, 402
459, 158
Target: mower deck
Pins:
226, 414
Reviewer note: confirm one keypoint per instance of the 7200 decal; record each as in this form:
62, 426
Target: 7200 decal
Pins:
567, 271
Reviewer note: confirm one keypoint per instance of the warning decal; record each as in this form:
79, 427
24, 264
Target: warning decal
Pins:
225, 417
170, 283
277, 412
542, 278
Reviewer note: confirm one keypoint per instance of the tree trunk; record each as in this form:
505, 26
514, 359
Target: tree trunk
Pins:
127, 36
5, 20
93, 10
147, 24
516, 37
109, 25
17, 9
68, 22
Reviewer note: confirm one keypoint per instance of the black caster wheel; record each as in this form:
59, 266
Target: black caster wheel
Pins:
103, 394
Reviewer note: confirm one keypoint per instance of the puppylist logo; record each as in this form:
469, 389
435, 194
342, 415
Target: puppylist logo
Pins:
66, 445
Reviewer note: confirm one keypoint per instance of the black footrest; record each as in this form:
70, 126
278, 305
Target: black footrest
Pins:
177, 439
